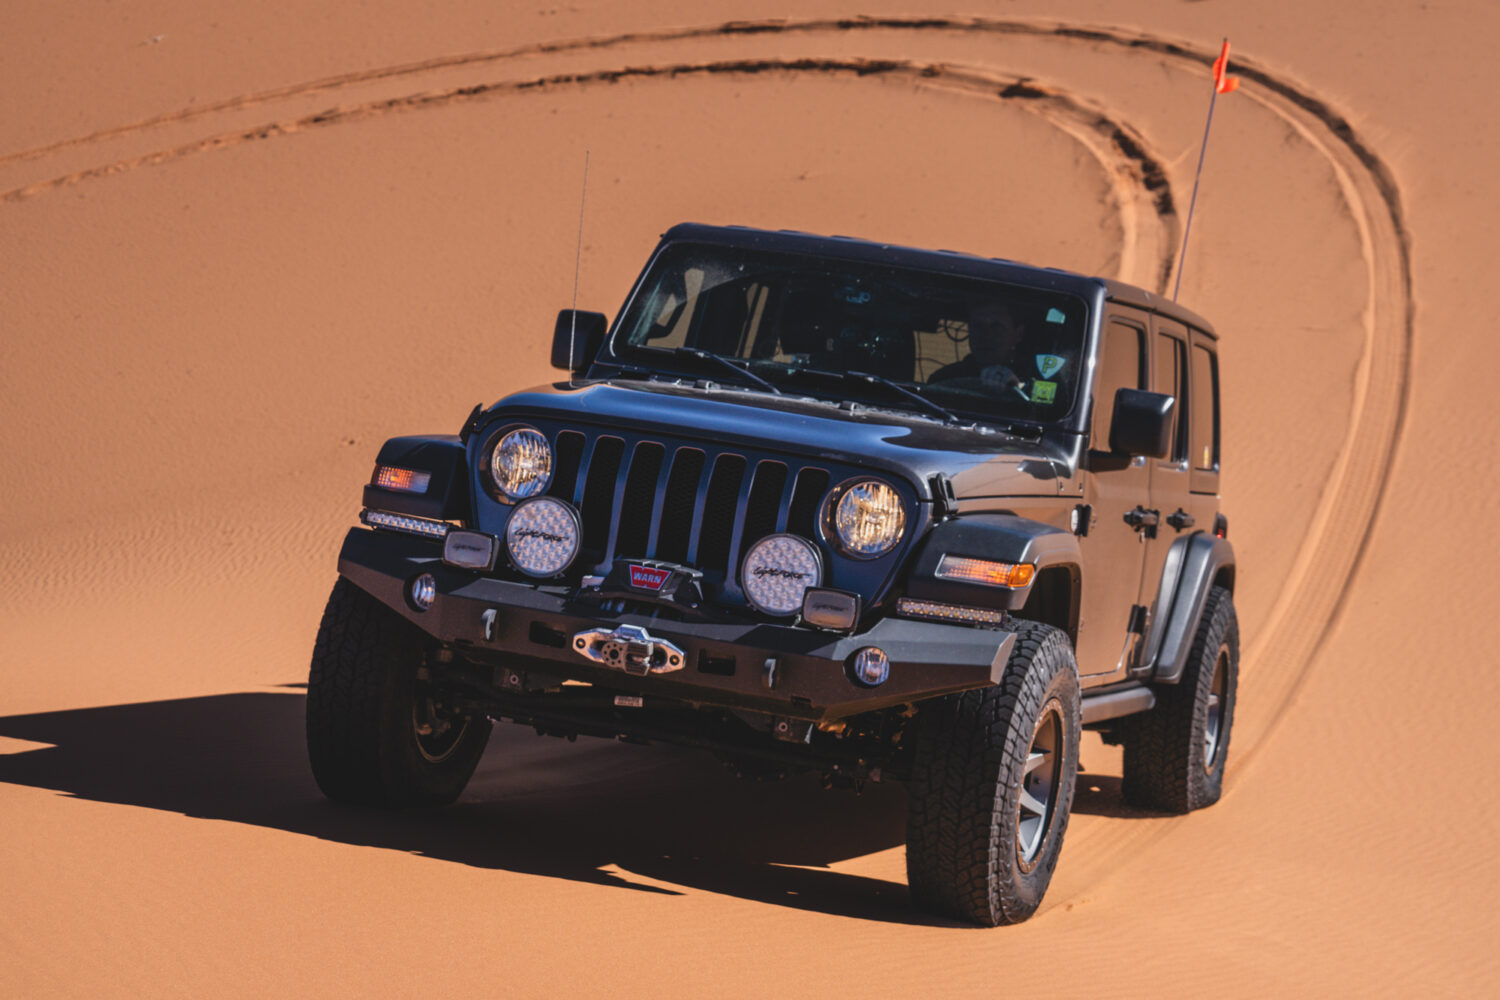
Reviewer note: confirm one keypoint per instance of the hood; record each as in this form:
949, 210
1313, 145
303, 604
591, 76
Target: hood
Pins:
981, 461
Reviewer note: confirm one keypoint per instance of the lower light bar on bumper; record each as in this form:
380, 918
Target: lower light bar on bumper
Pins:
908, 607
405, 522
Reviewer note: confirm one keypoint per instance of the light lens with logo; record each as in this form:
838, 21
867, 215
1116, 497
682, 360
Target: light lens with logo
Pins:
521, 463
542, 536
869, 518
832, 609
777, 571
470, 550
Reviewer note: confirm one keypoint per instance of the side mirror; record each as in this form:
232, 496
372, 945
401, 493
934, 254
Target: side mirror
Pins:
576, 338
1142, 423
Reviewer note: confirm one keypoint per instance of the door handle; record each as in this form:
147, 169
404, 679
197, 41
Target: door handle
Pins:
1180, 519
1143, 520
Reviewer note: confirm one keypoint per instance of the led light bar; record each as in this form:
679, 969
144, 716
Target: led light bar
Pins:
983, 571
389, 477
403, 522
910, 608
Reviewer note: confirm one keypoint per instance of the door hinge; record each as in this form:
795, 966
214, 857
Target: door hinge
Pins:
1139, 616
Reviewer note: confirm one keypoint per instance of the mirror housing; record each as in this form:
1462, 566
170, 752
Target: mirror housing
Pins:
1142, 423
577, 336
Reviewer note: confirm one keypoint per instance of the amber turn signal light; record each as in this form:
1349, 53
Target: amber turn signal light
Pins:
389, 477
986, 572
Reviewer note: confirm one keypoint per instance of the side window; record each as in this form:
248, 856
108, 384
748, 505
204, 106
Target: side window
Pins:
1122, 365
1205, 416
1171, 378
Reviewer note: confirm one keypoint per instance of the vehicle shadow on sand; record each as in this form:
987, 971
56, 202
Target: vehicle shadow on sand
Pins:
591, 811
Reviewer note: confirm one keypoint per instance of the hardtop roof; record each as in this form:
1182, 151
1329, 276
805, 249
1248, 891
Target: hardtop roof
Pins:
951, 261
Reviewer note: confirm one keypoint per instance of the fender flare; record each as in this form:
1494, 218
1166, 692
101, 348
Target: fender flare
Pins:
998, 537
1192, 565
442, 456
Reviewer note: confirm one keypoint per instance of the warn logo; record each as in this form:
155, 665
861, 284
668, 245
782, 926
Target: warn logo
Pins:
648, 577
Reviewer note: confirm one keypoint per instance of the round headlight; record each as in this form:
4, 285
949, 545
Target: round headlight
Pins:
777, 571
869, 519
521, 463
543, 536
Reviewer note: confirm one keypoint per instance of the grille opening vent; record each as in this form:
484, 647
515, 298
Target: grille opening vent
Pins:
677, 507
765, 502
718, 512
565, 476
721, 666
599, 493
640, 497
802, 519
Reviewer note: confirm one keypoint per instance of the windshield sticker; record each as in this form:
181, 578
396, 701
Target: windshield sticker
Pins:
854, 296
1056, 316
1048, 365
1043, 392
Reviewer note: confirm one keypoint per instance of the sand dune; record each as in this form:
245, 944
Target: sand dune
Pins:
239, 256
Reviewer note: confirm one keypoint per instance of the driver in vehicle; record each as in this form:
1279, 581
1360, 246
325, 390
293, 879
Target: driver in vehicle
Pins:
994, 334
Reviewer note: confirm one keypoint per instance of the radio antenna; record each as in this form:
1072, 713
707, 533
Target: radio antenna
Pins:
578, 266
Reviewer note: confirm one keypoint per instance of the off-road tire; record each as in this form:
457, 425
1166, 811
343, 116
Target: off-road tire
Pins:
363, 694
1166, 767
963, 855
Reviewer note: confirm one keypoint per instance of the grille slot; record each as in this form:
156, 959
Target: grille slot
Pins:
569, 455
599, 492
718, 512
764, 507
678, 505
802, 518
640, 496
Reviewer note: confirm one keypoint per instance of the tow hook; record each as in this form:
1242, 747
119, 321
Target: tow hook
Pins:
629, 648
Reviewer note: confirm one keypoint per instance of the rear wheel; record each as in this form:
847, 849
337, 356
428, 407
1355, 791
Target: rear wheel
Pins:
992, 786
1175, 753
377, 732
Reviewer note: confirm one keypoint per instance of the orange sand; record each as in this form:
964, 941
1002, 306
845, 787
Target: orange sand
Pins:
242, 247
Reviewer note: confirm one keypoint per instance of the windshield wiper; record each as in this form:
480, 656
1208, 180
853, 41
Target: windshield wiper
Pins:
723, 362
911, 394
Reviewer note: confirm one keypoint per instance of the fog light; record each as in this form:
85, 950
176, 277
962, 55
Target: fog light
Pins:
835, 609
543, 536
423, 590
871, 666
777, 572
470, 550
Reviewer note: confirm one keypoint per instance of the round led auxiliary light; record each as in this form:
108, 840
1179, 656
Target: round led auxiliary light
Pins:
542, 536
868, 518
777, 571
521, 463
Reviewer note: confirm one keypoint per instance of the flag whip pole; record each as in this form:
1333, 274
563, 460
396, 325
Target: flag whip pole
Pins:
1223, 84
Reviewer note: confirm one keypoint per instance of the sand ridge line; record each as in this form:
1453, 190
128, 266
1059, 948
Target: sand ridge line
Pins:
1137, 174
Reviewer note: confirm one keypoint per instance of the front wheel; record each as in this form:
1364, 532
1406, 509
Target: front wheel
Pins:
992, 786
377, 732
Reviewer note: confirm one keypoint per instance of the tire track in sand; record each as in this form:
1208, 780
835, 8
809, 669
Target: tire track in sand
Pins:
1338, 535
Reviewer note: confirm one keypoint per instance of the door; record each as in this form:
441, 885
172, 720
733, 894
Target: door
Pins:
1113, 487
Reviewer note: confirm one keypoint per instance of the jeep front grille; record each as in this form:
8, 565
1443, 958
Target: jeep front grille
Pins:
682, 503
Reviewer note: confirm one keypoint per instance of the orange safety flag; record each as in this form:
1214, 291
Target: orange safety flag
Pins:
1223, 82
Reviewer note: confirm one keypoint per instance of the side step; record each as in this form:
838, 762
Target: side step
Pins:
1114, 702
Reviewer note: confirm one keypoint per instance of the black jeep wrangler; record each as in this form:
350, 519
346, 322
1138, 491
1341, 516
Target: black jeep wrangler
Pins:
816, 504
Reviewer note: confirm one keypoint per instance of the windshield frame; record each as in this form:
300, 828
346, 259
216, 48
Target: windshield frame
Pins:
1088, 293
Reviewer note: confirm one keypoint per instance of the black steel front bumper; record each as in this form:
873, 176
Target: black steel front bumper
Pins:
801, 673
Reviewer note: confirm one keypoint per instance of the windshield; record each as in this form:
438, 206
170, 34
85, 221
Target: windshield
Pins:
970, 345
